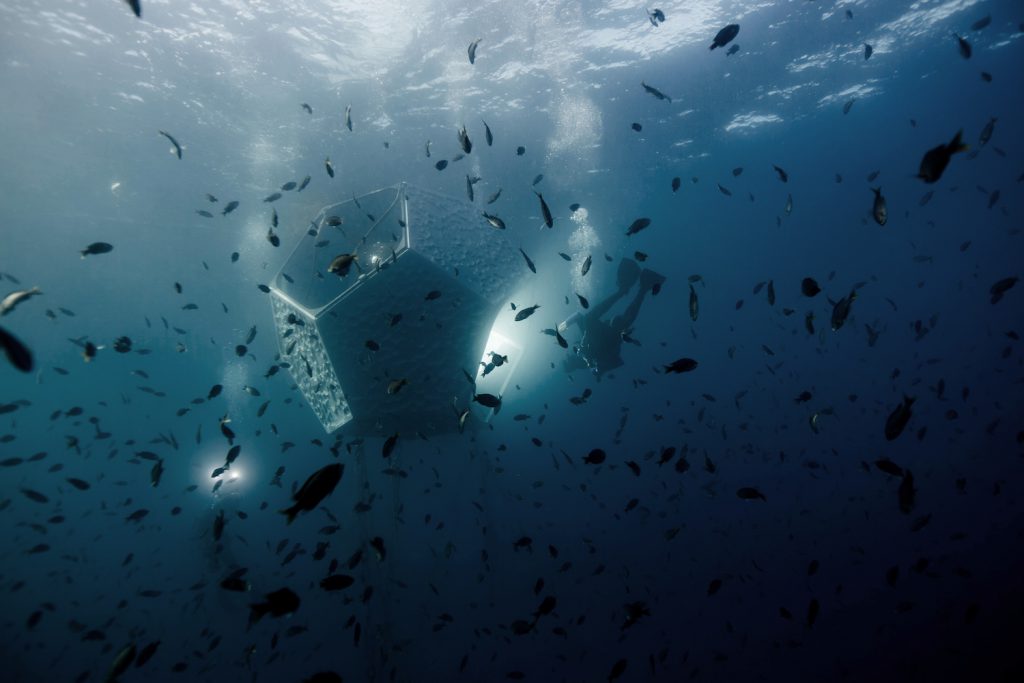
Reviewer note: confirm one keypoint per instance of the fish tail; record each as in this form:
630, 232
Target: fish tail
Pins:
956, 145
290, 514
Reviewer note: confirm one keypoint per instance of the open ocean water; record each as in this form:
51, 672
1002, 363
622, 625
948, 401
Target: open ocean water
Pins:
808, 466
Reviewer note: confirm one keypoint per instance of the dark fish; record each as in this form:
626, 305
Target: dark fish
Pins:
441, 165
79, 483
637, 127
889, 467
204, 213
848, 106
907, 493
657, 93
879, 210
290, 185
986, 132
464, 141
122, 661
520, 151
229, 207
17, 353
595, 457
487, 400
309, 109
898, 419
177, 147
783, 176
97, 248
273, 197
469, 188
318, 486
585, 268
494, 221
329, 166
867, 51
389, 445
676, 182
724, 190
545, 211
136, 6
525, 313
210, 198
336, 582
494, 197
965, 47
809, 287
348, 117
277, 604
529, 264
694, 304
681, 365
583, 300
981, 23
35, 496
750, 493
723, 37
1001, 287
637, 225
303, 184
341, 264
146, 653
935, 160
471, 50
487, 134
841, 310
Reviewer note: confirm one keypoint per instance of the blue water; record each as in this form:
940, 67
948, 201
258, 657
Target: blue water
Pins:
927, 592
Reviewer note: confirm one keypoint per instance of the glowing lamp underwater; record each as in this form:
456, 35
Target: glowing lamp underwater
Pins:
383, 342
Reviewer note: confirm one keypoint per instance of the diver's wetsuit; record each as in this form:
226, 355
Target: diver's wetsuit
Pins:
601, 342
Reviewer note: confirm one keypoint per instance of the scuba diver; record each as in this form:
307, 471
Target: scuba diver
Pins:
600, 344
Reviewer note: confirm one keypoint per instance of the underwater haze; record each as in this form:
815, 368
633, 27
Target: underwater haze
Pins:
801, 459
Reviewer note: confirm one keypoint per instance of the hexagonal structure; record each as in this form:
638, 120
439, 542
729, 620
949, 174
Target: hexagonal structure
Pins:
387, 347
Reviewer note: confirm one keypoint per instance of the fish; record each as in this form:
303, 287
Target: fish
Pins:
771, 292
97, 248
487, 400
494, 197
9, 302
307, 108
657, 93
537, 178
525, 313
545, 211
156, 472
272, 237
136, 6
395, 385
441, 165
229, 207
464, 141
637, 127
725, 36
471, 50
204, 213
681, 365
469, 187
963, 45
529, 264
583, 300
694, 304
494, 221
935, 160
750, 493
841, 310
277, 604
676, 182
487, 135
341, 264
272, 197
177, 147
724, 190
389, 445
318, 486
329, 166
595, 457
809, 287
898, 418
868, 50
1000, 288
585, 268
520, 151
878, 210
336, 582
783, 176
732, 50
789, 204
986, 132
348, 117
848, 106
982, 23
17, 353
303, 184
637, 225
125, 657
